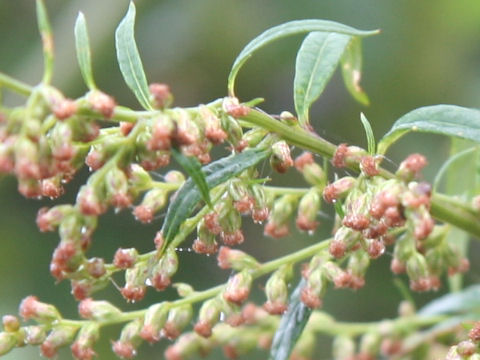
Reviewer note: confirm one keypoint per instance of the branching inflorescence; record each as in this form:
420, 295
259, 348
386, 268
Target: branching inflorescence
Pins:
46, 141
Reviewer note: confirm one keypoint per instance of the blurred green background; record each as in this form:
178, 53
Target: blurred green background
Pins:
428, 53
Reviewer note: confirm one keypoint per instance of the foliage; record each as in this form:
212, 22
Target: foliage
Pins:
46, 141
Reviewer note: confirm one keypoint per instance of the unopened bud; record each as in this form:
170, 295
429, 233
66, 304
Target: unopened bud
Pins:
165, 268
213, 126
474, 333
138, 178
281, 159
208, 316
31, 308
238, 287
96, 267
235, 259
410, 167
90, 202
59, 336
277, 225
338, 189
163, 129
313, 292
102, 103
126, 346
186, 345
205, 242
466, 348
154, 200
116, 187
160, 95
125, 258
155, 318
10, 323
178, 318
34, 334
370, 344
276, 290
418, 273
346, 155
307, 211
82, 348
232, 107
135, 278
97, 310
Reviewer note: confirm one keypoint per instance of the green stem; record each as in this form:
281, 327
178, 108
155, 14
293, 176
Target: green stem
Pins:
15, 85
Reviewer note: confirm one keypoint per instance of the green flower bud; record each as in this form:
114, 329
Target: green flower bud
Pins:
97, 310
238, 287
155, 318
208, 316
59, 336
308, 208
82, 348
178, 318
343, 348
7, 342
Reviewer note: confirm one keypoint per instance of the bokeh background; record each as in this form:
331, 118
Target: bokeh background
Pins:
428, 53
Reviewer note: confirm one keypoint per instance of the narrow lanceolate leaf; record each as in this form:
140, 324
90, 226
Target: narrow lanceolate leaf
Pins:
82, 45
369, 134
466, 301
352, 70
47, 41
450, 120
287, 29
216, 173
291, 326
316, 62
194, 169
129, 58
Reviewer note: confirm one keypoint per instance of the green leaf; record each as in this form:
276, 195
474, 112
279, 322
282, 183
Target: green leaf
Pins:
352, 70
82, 45
369, 134
316, 62
287, 29
291, 326
447, 120
45, 30
188, 196
466, 301
193, 168
129, 58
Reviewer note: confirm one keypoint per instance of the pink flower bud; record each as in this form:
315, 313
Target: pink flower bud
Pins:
307, 211
235, 259
276, 290
161, 97
186, 131
126, 127
238, 287
59, 336
410, 167
117, 191
130, 339
154, 200
102, 103
339, 189
178, 318
232, 238
34, 334
125, 258
466, 348
213, 128
96, 267
369, 166
52, 187
281, 160
97, 310
89, 201
474, 333
154, 320
162, 132
82, 348
208, 316
135, 278
31, 308
164, 270
49, 219
232, 107
10, 323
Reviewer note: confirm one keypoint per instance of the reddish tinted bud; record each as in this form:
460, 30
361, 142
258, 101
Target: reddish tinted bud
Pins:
474, 333
368, 165
232, 107
31, 308
29, 188
97, 310
52, 187
356, 222
155, 161
161, 97
411, 167
102, 103
259, 215
234, 259
173, 353
230, 352
276, 230
375, 230
305, 158
391, 347
421, 284
162, 132
34, 335
178, 319
244, 205
212, 223
66, 257
339, 189
60, 335
186, 132
64, 109
202, 247
158, 240
356, 282
393, 217
213, 129
375, 248
10, 323
126, 127
343, 280
281, 160
397, 266
96, 267
337, 248
466, 348
95, 159
49, 219
124, 350
463, 267
238, 288
232, 238
208, 316
155, 318
81, 352
339, 157
423, 227
125, 258
143, 213
310, 298
89, 202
